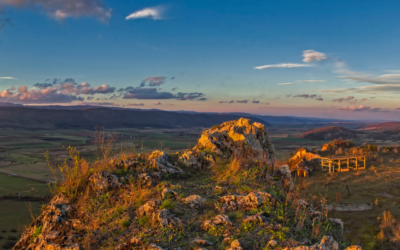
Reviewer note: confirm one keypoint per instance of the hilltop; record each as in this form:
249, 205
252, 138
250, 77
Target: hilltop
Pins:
228, 192
383, 126
329, 133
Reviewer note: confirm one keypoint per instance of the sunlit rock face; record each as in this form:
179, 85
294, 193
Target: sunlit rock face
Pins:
238, 138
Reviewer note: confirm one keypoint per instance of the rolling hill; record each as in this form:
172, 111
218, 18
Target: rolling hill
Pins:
383, 126
329, 133
34, 118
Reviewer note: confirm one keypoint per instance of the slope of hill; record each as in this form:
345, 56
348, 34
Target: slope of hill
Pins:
383, 126
207, 199
33, 118
329, 133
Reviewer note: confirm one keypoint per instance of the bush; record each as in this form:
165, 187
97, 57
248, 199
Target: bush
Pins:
168, 204
37, 232
126, 223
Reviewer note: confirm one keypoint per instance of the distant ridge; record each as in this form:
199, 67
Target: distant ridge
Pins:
329, 133
383, 126
89, 118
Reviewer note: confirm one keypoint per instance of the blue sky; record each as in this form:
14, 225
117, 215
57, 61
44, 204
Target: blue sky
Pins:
202, 55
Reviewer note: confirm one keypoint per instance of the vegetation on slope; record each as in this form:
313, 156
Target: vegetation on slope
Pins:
329, 133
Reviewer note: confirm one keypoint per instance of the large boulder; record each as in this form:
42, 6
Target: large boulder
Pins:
239, 138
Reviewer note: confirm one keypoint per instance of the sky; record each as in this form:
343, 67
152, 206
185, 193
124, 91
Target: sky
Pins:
329, 59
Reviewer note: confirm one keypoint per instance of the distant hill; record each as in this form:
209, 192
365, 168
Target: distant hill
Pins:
383, 126
329, 133
34, 118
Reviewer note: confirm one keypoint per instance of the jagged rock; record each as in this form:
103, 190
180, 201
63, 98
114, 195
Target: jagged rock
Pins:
195, 201
239, 138
149, 208
149, 179
252, 200
154, 247
235, 245
168, 193
159, 161
221, 219
201, 242
284, 171
103, 181
256, 218
189, 160
166, 218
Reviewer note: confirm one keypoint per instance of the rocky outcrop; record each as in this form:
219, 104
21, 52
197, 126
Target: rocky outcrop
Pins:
260, 218
327, 243
239, 138
159, 160
285, 172
164, 216
44, 232
308, 160
149, 179
103, 181
252, 200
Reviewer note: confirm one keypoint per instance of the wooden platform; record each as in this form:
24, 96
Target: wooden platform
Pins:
355, 162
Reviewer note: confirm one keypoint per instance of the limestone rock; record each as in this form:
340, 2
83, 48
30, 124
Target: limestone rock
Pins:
252, 200
284, 171
168, 193
272, 243
261, 218
235, 245
103, 181
166, 218
159, 161
221, 219
239, 138
189, 160
149, 208
201, 242
154, 247
149, 179
327, 243
195, 201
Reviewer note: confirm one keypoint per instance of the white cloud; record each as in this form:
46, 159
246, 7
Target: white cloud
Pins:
151, 12
312, 55
284, 65
7, 78
312, 81
286, 83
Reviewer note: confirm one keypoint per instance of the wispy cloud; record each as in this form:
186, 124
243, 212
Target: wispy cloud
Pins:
60, 10
283, 65
312, 81
157, 103
242, 101
376, 89
362, 108
7, 78
286, 83
343, 99
319, 99
151, 12
153, 81
380, 79
312, 55
135, 104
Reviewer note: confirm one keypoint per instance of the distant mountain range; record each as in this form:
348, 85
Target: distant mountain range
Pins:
87, 116
90, 118
383, 126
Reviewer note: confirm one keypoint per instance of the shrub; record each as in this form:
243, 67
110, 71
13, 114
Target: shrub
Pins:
36, 232
167, 203
126, 223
